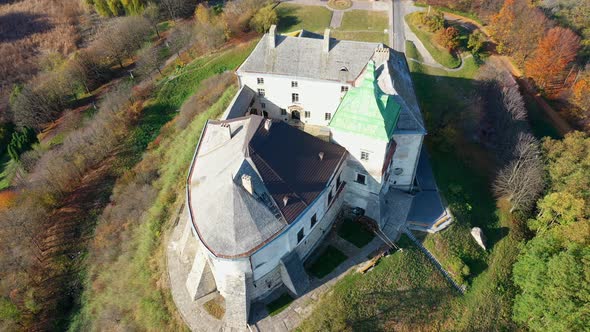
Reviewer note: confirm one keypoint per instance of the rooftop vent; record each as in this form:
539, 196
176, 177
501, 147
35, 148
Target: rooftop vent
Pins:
272, 36
267, 124
321, 155
285, 200
247, 183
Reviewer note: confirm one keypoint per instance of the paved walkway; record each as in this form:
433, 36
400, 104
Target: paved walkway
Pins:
336, 19
302, 306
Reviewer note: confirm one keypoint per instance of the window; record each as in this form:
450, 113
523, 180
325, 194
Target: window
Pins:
330, 197
338, 181
300, 235
294, 84
343, 88
314, 220
263, 105
260, 80
307, 114
328, 116
361, 178
261, 92
364, 155
295, 97
265, 114
283, 111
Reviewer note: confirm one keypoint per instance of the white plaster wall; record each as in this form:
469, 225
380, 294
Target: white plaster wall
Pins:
223, 268
317, 97
405, 157
271, 253
373, 167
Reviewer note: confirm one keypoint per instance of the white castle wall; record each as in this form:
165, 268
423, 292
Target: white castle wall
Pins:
405, 158
317, 97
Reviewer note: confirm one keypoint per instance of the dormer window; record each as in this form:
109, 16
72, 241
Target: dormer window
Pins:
344, 69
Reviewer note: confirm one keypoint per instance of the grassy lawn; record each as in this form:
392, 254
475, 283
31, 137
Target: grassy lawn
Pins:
412, 51
278, 305
296, 17
439, 54
355, 233
463, 171
363, 25
404, 292
364, 20
326, 262
172, 91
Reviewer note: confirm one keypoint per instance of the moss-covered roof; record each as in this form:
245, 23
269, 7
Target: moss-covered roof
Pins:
366, 110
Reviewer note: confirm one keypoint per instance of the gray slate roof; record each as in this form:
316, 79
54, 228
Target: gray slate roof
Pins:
281, 161
304, 57
240, 104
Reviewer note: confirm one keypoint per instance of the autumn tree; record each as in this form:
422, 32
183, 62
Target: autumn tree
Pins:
517, 28
263, 19
176, 9
552, 58
581, 93
152, 14
447, 38
148, 61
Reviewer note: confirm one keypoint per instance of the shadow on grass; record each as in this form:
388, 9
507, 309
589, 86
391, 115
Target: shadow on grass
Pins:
287, 18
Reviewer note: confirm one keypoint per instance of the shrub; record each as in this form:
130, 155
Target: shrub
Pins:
476, 41
434, 22
263, 19
447, 38
20, 142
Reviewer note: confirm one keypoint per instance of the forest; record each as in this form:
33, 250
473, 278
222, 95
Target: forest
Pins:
98, 99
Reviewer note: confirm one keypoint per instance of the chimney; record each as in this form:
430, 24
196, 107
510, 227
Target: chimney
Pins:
321, 155
267, 124
247, 183
272, 36
285, 200
327, 41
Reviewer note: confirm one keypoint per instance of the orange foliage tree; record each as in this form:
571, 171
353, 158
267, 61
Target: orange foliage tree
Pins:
7, 198
447, 38
553, 56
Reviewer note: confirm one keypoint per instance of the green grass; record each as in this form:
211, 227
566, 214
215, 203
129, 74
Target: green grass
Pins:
364, 36
296, 17
340, 4
173, 90
463, 171
403, 292
439, 54
355, 233
412, 51
280, 304
326, 262
364, 20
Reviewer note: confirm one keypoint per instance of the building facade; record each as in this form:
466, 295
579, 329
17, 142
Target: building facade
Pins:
262, 192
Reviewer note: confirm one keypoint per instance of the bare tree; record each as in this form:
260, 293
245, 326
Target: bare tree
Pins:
152, 14
179, 38
121, 37
521, 180
178, 8
148, 61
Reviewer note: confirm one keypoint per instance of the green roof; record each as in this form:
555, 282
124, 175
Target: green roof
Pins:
366, 110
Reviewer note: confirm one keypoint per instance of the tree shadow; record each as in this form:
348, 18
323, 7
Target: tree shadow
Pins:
287, 18
19, 25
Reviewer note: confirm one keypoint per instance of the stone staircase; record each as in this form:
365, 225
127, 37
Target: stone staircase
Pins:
460, 289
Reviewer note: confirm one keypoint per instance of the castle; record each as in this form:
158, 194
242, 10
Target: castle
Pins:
316, 123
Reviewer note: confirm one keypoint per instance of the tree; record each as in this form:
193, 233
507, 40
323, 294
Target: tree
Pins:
521, 181
178, 8
152, 15
553, 56
553, 275
476, 41
263, 19
148, 61
559, 208
434, 20
447, 38
121, 37
581, 92
179, 38
203, 14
